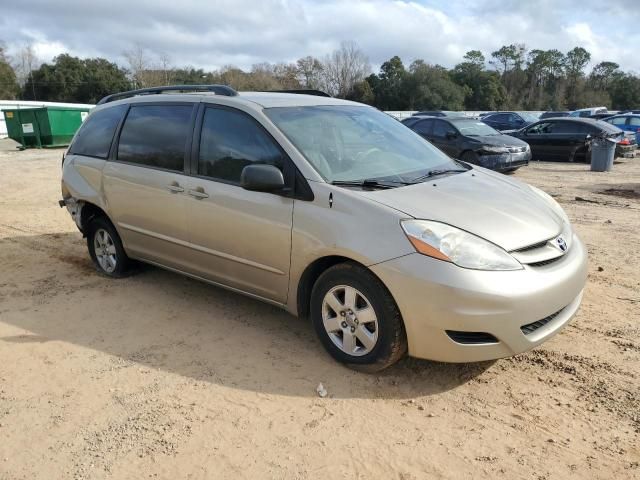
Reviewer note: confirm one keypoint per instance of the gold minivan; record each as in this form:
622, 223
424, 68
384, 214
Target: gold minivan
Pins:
331, 210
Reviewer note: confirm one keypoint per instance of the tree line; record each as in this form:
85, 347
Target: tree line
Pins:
510, 78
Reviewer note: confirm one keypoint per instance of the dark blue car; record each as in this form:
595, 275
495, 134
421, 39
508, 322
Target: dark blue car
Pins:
509, 120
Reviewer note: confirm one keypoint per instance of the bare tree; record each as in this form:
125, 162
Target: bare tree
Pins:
138, 60
344, 68
310, 72
166, 68
24, 64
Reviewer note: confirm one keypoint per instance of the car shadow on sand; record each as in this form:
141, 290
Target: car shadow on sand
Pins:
165, 321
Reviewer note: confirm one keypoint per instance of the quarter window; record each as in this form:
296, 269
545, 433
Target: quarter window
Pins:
156, 136
230, 141
96, 134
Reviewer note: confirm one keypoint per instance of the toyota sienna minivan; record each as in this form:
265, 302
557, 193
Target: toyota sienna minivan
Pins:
331, 210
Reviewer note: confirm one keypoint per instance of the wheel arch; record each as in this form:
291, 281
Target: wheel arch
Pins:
311, 274
88, 212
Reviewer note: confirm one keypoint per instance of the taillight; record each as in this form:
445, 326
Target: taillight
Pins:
624, 141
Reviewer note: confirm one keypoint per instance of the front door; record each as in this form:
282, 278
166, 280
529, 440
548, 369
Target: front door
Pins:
238, 238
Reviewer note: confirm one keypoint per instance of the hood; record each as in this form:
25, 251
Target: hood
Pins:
499, 141
499, 209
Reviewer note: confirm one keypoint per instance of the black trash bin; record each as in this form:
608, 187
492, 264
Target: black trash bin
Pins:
603, 151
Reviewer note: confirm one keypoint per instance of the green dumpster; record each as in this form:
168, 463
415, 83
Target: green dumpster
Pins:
43, 127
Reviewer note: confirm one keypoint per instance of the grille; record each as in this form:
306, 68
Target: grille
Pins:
532, 247
532, 327
471, 338
545, 262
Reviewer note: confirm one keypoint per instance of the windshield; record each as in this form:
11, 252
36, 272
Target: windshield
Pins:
353, 143
529, 117
471, 128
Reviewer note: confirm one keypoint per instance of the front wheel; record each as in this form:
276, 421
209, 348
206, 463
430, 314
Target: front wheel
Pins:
105, 248
356, 319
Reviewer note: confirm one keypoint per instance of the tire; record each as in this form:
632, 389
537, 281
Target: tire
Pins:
385, 339
105, 248
470, 157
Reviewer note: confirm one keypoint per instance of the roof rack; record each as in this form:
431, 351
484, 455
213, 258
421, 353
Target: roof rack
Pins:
217, 89
303, 91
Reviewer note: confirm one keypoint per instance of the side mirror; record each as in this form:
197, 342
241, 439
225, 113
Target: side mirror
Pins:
261, 178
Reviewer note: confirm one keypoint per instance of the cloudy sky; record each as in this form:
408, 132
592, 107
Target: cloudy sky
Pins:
214, 33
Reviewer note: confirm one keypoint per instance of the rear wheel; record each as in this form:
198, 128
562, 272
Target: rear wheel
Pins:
356, 318
105, 248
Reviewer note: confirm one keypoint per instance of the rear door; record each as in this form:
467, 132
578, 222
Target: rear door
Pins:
145, 181
239, 238
444, 137
567, 139
424, 128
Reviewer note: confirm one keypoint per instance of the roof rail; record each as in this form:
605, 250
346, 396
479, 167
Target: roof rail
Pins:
217, 89
303, 91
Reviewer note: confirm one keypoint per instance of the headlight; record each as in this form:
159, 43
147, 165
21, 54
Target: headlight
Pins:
495, 150
444, 242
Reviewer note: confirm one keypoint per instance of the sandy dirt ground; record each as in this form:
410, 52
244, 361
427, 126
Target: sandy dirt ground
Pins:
160, 376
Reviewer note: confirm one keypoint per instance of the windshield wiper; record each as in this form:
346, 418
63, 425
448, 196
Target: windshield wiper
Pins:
435, 173
370, 183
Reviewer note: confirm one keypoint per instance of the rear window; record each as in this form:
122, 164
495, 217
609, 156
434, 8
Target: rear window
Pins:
96, 133
156, 136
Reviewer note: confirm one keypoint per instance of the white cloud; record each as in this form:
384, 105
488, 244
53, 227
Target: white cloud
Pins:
242, 32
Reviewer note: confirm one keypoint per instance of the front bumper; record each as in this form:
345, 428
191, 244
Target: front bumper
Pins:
436, 296
504, 161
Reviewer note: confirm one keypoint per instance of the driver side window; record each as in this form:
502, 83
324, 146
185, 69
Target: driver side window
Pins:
442, 129
230, 141
541, 129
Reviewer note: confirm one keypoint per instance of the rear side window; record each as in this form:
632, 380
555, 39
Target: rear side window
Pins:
634, 121
156, 136
423, 127
568, 127
95, 136
230, 141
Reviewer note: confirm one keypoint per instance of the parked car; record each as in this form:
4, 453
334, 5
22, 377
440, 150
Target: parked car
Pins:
437, 113
509, 120
587, 112
602, 116
551, 114
331, 210
628, 122
474, 142
567, 139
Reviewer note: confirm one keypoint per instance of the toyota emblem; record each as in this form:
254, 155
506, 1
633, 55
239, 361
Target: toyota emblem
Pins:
562, 245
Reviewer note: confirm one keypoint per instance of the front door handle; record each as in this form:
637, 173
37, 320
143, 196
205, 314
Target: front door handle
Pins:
198, 193
175, 188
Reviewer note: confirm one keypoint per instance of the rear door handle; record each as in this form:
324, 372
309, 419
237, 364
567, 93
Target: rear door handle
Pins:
198, 193
175, 188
